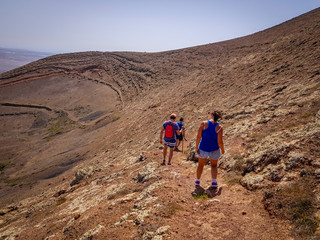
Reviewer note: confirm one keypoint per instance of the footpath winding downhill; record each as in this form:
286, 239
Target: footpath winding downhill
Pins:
233, 213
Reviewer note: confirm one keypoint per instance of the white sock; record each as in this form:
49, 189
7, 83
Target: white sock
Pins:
214, 180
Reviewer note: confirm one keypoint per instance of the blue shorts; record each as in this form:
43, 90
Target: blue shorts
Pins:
212, 155
170, 144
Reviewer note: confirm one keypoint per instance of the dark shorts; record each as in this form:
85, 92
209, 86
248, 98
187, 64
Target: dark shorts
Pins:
180, 137
170, 144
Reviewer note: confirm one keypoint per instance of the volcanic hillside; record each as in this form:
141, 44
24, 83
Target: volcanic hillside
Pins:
80, 153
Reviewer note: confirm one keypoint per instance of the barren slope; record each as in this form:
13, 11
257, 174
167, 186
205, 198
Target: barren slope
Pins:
94, 113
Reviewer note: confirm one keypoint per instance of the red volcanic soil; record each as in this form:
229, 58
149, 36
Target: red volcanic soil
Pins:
80, 151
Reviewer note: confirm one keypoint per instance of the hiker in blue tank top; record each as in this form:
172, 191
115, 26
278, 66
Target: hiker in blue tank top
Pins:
171, 130
209, 144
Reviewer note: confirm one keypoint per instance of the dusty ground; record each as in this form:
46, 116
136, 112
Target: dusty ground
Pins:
74, 125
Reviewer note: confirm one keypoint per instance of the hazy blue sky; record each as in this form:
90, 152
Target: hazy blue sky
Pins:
137, 25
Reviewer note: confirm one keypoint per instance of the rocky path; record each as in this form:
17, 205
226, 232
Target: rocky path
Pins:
234, 213
140, 199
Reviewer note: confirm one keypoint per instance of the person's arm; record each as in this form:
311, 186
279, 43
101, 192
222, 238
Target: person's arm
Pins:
199, 136
161, 134
220, 140
178, 131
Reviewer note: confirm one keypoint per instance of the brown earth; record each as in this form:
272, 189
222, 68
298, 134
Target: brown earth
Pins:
14, 58
80, 151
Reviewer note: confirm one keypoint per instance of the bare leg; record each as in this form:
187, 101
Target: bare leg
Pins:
178, 143
201, 163
170, 155
214, 168
165, 151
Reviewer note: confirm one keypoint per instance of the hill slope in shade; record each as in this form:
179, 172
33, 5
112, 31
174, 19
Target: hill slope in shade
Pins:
80, 151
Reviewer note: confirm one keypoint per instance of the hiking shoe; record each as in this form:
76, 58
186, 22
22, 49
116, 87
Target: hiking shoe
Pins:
169, 163
197, 182
163, 162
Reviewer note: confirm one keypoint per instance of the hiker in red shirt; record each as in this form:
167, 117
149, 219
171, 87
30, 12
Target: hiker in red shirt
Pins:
171, 130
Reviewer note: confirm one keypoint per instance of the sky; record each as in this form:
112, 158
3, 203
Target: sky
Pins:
61, 26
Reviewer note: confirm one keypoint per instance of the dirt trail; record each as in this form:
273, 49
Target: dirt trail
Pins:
236, 213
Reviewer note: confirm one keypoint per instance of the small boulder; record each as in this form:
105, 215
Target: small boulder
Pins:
317, 173
303, 172
252, 181
148, 172
83, 174
192, 156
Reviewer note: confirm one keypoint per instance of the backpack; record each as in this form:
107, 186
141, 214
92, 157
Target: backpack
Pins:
169, 130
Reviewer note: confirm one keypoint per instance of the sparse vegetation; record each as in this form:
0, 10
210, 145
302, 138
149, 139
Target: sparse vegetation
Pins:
3, 165
232, 178
115, 117
61, 200
201, 196
238, 165
295, 202
235, 174
60, 124
119, 193
170, 209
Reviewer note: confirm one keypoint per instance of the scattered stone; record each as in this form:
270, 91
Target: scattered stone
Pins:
141, 158
192, 156
148, 235
163, 230
303, 172
264, 119
317, 173
293, 162
83, 174
214, 200
76, 216
59, 193
90, 234
7, 210
157, 237
280, 89
148, 172
268, 194
316, 163
273, 156
252, 181
146, 192
276, 173
226, 161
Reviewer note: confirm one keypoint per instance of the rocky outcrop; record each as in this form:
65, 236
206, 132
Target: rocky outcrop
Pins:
192, 155
148, 172
83, 173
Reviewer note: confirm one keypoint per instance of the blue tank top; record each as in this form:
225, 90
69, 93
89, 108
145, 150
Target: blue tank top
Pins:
209, 140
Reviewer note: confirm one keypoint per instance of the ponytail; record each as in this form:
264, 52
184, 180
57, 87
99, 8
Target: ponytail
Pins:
216, 115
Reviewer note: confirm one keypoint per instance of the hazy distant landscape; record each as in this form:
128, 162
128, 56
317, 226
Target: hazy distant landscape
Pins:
13, 58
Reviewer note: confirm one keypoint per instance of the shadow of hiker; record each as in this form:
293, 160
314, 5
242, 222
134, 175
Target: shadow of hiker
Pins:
213, 192
210, 192
198, 191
